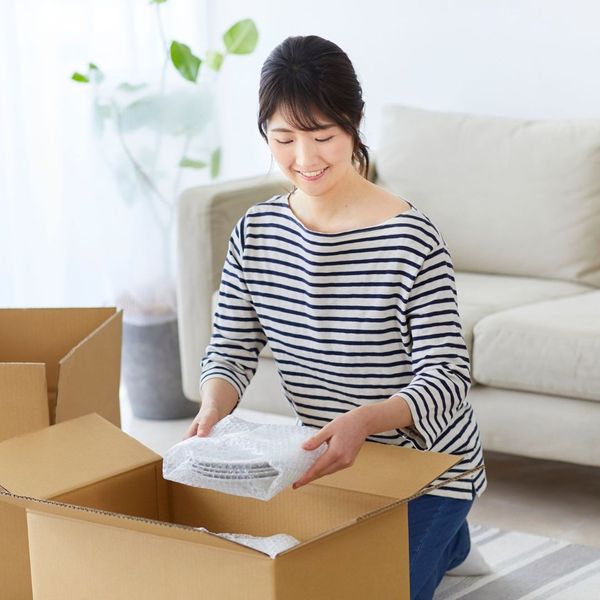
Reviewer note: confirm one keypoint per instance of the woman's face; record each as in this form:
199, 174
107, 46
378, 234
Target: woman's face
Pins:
314, 161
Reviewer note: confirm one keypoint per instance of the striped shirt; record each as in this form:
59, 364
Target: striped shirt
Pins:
352, 318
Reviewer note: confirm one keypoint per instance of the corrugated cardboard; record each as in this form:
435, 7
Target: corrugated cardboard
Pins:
352, 526
87, 460
23, 399
57, 364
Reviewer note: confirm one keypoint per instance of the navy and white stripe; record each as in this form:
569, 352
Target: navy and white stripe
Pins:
352, 318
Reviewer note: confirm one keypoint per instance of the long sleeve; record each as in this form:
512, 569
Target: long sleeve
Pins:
237, 336
440, 360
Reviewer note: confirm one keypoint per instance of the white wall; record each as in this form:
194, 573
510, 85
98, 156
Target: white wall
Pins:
522, 58
64, 227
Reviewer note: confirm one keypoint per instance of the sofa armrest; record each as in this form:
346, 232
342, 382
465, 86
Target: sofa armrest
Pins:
206, 216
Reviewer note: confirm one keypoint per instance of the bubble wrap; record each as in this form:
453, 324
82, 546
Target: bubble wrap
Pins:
271, 545
243, 458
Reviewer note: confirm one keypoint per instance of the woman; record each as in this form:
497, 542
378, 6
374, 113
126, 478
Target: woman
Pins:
353, 288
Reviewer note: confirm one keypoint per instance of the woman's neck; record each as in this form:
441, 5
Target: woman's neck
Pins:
334, 204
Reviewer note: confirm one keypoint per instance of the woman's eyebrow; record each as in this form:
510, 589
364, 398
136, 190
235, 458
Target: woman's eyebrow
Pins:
319, 128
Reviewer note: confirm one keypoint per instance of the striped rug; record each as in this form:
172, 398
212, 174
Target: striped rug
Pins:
527, 567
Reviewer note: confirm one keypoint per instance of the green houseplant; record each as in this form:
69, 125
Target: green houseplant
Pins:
158, 136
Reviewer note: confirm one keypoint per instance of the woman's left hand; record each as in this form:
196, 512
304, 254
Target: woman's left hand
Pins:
344, 435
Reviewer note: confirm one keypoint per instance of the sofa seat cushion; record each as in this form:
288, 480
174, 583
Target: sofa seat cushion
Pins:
548, 347
480, 295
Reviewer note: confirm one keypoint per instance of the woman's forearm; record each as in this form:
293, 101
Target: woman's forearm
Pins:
392, 413
219, 394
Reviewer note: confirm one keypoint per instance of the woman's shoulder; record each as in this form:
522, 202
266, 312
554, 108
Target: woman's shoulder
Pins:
428, 228
276, 202
390, 202
264, 208
422, 228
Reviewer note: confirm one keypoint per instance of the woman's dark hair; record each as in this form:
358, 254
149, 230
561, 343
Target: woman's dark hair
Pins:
306, 75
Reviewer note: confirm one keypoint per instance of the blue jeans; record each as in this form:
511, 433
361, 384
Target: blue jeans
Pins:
439, 540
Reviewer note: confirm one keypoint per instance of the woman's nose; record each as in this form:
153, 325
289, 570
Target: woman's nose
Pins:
306, 156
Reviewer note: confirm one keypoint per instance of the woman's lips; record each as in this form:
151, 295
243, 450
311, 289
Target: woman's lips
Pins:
313, 177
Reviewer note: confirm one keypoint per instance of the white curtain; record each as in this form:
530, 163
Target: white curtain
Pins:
63, 222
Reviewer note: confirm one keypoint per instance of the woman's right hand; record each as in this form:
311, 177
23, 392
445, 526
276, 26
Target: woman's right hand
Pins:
218, 398
203, 422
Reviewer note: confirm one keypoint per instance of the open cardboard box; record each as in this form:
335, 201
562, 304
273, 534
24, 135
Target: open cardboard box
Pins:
352, 527
57, 364
88, 461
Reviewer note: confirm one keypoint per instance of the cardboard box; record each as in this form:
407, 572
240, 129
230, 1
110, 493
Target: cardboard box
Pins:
352, 526
57, 364
87, 461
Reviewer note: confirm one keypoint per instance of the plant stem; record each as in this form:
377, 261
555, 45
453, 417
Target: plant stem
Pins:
138, 168
186, 145
161, 30
163, 39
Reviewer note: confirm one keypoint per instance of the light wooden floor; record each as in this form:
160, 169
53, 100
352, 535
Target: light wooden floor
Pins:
542, 497
549, 498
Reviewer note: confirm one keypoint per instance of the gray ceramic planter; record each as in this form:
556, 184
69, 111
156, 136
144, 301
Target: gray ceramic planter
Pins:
152, 371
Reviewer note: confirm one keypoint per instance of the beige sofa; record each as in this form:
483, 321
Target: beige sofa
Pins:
518, 203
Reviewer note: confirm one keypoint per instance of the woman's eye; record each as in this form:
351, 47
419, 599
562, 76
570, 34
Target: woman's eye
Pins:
325, 140
280, 142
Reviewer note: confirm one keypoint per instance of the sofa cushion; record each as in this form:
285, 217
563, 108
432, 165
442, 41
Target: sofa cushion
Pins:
549, 347
480, 295
510, 196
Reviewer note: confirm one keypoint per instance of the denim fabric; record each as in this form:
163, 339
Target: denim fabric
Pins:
439, 540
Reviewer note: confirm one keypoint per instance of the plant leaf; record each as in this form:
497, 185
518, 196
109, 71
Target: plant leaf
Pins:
101, 112
79, 77
184, 61
131, 87
241, 38
214, 59
215, 163
157, 1
94, 73
180, 112
192, 164
104, 110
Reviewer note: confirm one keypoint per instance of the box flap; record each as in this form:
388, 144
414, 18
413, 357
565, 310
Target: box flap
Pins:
139, 524
390, 471
67, 456
45, 335
23, 399
93, 365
